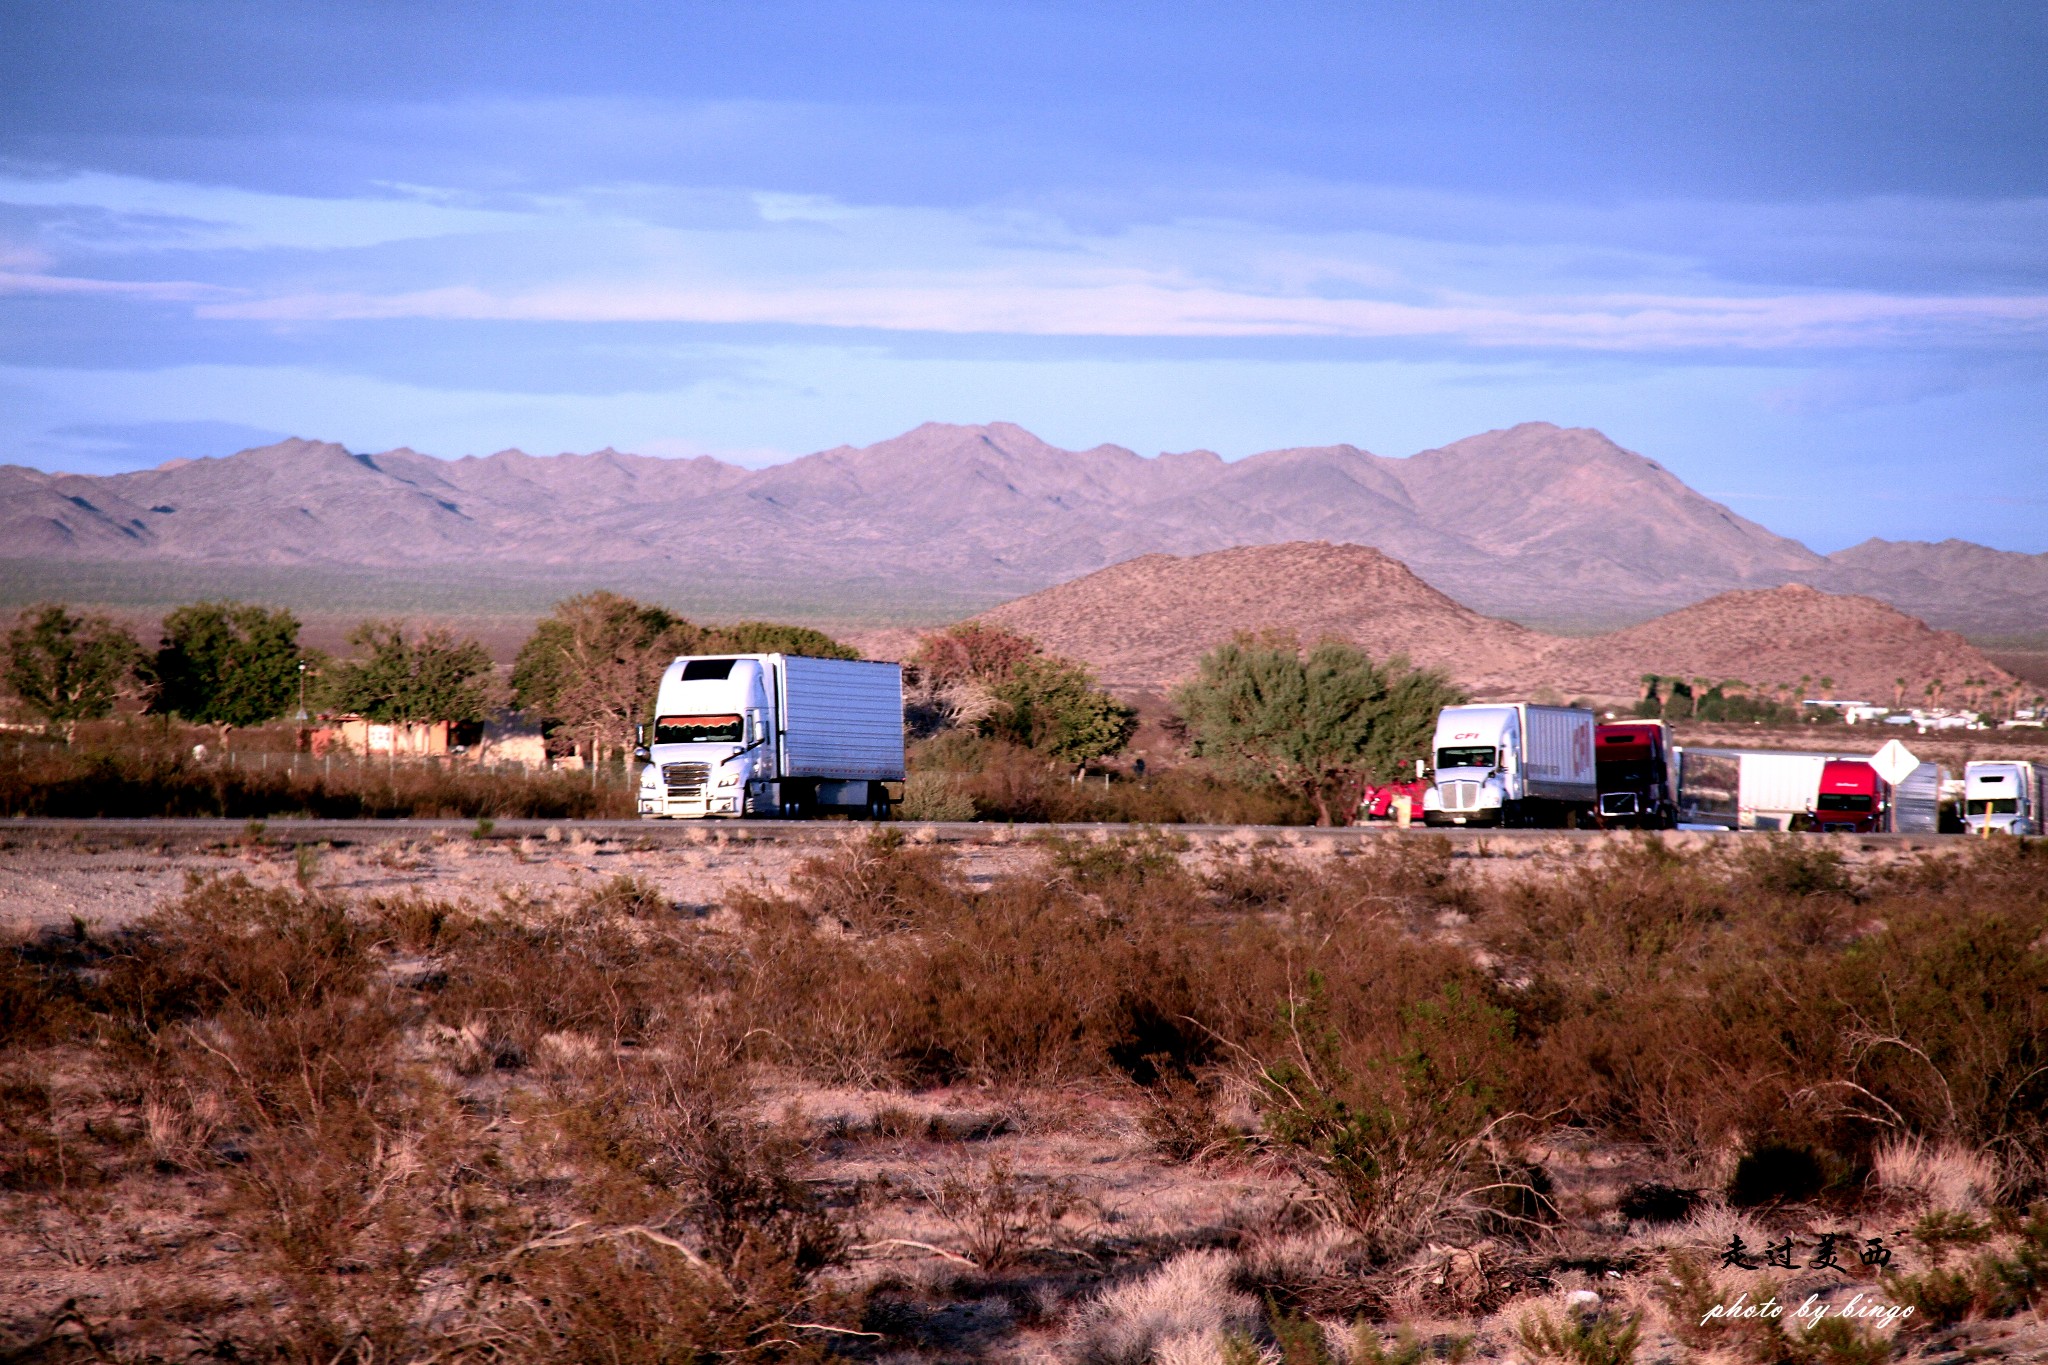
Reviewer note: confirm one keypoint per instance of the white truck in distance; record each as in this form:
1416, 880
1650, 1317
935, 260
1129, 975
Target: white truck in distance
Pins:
1512, 763
773, 735
2004, 796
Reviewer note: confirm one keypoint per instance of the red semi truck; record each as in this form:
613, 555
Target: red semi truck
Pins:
1636, 774
1852, 799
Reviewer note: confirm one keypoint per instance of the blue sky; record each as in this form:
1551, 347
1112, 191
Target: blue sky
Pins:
1796, 251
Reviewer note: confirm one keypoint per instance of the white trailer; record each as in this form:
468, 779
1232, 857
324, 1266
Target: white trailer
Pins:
2005, 796
1512, 763
1916, 801
773, 734
1777, 788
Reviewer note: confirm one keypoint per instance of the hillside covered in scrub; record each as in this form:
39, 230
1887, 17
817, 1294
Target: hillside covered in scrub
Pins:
1104, 1102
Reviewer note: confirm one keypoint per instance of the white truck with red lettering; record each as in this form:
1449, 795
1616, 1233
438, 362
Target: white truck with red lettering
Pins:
1513, 763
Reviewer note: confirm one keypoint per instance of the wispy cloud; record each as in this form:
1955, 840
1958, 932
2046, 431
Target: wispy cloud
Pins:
1165, 308
649, 254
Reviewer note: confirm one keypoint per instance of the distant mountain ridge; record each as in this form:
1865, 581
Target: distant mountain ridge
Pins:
1535, 521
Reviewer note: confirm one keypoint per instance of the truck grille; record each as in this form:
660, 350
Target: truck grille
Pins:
1461, 796
686, 779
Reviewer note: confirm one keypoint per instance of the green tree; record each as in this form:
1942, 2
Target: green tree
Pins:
227, 664
1052, 705
770, 637
433, 676
594, 664
67, 668
1322, 723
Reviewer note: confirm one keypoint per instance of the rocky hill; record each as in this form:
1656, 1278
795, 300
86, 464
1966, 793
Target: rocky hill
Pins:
1794, 637
1145, 623
1537, 522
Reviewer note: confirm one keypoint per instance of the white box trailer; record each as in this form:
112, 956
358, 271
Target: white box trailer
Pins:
1777, 788
773, 734
2005, 796
1512, 763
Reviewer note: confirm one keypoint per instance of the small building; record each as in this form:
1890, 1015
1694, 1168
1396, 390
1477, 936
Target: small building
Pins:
394, 739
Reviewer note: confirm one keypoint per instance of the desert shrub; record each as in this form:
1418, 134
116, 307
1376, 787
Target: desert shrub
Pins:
637, 1297
1181, 1308
1788, 865
876, 883
1388, 1134
1773, 1173
1655, 1202
516, 977
133, 770
633, 897
934, 796
228, 942
1581, 1339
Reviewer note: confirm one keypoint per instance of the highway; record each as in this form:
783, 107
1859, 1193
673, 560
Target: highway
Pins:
659, 834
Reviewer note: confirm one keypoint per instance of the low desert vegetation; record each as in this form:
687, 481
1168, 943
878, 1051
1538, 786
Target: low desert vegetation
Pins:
147, 767
1388, 1106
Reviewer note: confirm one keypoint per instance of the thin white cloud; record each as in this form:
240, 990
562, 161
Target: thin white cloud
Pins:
1160, 308
170, 291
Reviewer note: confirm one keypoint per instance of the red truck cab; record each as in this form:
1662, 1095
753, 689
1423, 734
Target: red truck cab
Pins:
1632, 764
1852, 799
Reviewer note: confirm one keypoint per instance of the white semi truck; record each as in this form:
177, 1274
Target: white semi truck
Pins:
1512, 763
2005, 796
773, 735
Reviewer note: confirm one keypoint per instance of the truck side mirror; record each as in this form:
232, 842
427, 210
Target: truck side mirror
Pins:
757, 726
1418, 770
640, 752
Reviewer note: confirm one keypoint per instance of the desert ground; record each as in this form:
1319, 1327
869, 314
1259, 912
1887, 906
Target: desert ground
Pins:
1104, 1099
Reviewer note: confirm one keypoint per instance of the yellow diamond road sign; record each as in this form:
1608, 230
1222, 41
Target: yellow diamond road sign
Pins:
1894, 762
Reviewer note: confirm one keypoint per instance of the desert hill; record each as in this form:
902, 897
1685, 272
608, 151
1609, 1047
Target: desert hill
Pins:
1145, 623
1792, 636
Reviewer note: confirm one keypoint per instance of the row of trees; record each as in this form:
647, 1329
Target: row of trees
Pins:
592, 666
233, 665
1322, 721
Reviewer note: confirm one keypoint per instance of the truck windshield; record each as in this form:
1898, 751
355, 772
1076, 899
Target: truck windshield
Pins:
1471, 756
1844, 801
697, 730
1996, 805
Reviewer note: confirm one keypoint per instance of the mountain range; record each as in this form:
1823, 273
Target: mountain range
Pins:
1539, 523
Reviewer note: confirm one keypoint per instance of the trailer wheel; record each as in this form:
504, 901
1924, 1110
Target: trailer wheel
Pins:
878, 801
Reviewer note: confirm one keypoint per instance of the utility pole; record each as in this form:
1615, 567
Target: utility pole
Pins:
302, 690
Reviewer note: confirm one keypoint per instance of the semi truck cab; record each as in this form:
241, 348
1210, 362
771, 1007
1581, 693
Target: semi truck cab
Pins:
1513, 763
1852, 799
1633, 761
2002, 796
713, 732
